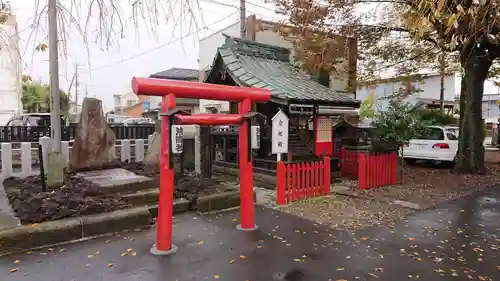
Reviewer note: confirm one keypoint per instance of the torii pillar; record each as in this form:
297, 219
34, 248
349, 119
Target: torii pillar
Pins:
172, 89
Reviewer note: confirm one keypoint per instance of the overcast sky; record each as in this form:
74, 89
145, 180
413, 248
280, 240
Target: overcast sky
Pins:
107, 71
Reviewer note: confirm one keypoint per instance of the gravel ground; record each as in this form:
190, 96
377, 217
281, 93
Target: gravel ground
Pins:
431, 185
346, 213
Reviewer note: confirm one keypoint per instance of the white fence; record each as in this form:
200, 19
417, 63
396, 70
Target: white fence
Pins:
129, 151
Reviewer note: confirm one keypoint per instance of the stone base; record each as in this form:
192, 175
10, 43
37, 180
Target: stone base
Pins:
154, 251
116, 180
255, 227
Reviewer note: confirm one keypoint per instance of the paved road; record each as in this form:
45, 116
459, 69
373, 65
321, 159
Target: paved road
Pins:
458, 241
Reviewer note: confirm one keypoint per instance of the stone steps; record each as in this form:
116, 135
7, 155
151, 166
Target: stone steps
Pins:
143, 197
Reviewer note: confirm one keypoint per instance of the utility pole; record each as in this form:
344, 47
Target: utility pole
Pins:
55, 112
243, 20
76, 86
55, 175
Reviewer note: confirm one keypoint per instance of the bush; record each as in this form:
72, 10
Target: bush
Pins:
434, 117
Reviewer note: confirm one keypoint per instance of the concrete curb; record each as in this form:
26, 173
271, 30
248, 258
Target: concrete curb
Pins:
219, 201
54, 232
26, 237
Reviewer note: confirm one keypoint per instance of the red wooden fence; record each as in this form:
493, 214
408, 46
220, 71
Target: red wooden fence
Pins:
371, 169
377, 169
301, 180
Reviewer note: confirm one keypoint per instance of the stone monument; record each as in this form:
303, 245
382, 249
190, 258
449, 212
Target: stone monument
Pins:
94, 139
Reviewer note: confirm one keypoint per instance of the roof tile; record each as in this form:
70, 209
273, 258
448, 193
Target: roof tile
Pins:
264, 66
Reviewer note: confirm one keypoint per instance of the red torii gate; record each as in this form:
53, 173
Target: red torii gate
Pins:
169, 90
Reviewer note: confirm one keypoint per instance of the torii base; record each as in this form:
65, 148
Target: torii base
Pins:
154, 251
255, 227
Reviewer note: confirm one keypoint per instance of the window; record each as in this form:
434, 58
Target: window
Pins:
452, 134
433, 134
131, 102
33, 120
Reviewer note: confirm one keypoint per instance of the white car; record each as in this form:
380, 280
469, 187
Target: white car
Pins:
439, 144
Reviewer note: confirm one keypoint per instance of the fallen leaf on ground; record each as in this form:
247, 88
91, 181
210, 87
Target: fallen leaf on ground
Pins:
134, 254
17, 261
201, 242
340, 269
439, 270
341, 280
129, 250
243, 257
216, 276
110, 265
411, 238
297, 260
363, 238
12, 270
373, 275
231, 261
62, 250
123, 254
90, 256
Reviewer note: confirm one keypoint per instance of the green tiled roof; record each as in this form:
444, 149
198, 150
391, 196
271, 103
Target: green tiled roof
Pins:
258, 65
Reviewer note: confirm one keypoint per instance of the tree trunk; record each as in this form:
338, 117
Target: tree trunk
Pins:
441, 90
470, 156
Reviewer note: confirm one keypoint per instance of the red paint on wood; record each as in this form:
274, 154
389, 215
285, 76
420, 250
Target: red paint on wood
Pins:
207, 119
196, 90
280, 183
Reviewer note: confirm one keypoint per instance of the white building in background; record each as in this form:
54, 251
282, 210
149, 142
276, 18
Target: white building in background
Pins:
10, 67
427, 88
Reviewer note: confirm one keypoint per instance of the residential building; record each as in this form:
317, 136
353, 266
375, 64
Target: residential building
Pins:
10, 67
425, 88
124, 102
74, 111
265, 32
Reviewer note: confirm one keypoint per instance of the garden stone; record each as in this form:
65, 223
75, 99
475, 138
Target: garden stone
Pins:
94, 139
152, 158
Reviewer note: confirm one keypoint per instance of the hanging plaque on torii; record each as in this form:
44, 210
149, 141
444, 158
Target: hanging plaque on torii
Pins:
172, 89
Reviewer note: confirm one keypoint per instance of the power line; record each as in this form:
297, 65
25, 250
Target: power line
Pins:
161, 46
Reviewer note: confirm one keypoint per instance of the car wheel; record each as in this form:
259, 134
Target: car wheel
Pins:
410, 161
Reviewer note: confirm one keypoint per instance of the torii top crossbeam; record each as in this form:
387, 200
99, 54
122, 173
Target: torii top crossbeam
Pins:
196, 90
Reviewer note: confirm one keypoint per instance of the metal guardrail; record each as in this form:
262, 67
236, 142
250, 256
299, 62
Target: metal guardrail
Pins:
34, 133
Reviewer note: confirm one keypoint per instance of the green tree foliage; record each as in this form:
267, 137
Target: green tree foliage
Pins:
396, 125
36, 98
435, 117
407, 36
366, 109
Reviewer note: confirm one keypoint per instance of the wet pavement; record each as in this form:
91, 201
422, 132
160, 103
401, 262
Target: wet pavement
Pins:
458, 241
